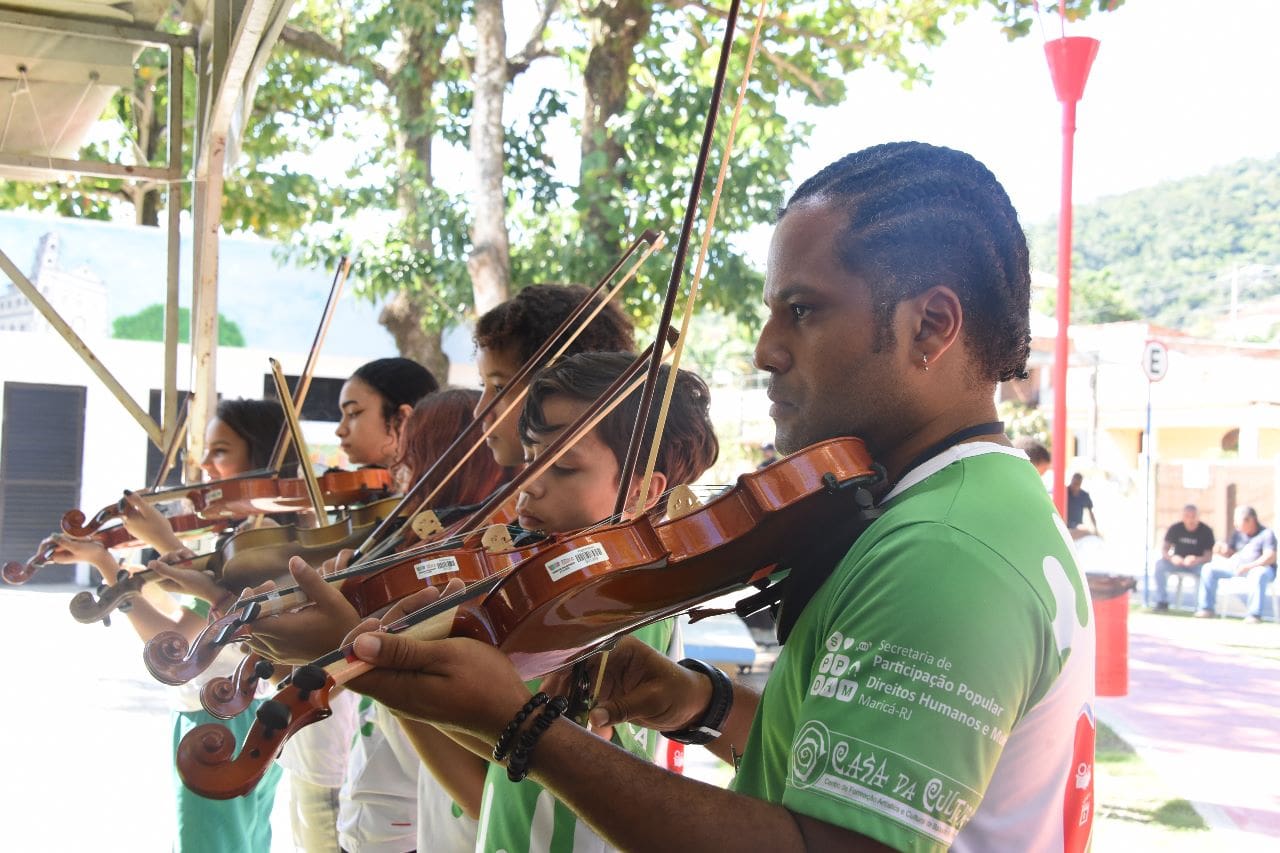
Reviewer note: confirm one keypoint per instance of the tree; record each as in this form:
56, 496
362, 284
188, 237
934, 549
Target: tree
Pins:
1096, 297
434, 73
148, 325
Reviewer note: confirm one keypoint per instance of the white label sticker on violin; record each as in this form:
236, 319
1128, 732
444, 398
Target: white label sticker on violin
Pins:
576, 560
431, 568
213, 495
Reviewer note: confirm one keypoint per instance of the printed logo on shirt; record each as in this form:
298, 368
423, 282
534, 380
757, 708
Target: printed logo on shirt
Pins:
847, 769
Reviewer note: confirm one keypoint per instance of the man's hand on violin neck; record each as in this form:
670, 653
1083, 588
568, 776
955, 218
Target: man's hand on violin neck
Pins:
455, 683
305, 634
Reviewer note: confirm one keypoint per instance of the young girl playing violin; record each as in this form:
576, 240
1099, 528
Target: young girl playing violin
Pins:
374, 403
238, 439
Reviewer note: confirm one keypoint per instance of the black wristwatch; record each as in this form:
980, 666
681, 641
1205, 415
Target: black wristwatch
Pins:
708, 728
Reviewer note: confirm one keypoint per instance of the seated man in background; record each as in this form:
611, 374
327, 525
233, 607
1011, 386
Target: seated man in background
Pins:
1188, 545
1249, 552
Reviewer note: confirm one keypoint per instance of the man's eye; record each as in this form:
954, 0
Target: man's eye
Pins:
800, 311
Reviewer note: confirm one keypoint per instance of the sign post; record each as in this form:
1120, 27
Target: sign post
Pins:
1155, 364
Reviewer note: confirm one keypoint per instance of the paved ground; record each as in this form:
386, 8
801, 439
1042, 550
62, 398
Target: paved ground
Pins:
88, 760
1202, 711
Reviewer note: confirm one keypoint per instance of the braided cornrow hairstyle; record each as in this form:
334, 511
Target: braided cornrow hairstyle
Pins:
919, 216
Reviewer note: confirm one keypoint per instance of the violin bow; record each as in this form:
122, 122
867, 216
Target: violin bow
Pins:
694, 285
677, 266
309, 366
295, 432
171, 452
559, 341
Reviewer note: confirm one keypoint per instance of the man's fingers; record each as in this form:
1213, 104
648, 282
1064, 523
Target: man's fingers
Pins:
390, 651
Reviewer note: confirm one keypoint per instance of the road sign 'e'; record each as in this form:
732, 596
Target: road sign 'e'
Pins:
1155, 360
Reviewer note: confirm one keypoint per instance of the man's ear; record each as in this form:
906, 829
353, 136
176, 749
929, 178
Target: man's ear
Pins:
657, 487
937, 320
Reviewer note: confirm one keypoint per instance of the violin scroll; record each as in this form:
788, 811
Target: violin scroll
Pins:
73, 520
15, 572
173, 660
86, 609
229, 697
205, 759
18, 573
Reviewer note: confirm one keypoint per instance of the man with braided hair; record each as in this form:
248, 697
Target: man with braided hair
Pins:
936, 690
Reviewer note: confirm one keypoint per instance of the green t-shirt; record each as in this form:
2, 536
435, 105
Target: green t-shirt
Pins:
948, 657
523, 817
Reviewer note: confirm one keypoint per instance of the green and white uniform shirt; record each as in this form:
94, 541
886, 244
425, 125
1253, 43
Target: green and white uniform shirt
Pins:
937, 691
523, 817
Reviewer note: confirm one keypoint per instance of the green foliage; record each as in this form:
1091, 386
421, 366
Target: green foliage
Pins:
1096, 297
148, 325
1023, 420
1170, 249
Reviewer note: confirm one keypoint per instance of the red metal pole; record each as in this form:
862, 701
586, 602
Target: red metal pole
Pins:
1061, 344
1069, 62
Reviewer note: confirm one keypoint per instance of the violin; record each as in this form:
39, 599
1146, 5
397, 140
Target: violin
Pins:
171, 659
249, 494
188, 526
247, 558
580, 592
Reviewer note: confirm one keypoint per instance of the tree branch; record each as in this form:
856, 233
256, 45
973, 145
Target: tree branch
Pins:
772, 23
321, 48
535, 48
787, 67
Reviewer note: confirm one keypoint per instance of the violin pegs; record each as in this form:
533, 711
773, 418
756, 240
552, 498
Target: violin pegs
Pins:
308, 678
274, 716
264, 669
250, 612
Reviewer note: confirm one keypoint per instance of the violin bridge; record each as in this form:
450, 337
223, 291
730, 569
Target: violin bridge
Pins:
681, 502
426, 524
497, 538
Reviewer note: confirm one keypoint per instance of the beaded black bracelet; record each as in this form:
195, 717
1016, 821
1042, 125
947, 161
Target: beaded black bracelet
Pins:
518, 766
508, 736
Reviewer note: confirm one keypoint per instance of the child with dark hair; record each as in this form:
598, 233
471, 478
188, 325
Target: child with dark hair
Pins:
576, 492
507, 336
374, 403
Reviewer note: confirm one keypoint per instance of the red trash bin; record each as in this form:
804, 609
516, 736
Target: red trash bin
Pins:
1110, 594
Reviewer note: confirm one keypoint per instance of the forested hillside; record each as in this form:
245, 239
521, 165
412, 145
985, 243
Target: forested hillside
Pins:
1170, 250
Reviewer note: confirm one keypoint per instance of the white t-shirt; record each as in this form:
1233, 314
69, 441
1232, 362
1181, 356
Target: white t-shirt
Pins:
318, 753
378, 803
443, 827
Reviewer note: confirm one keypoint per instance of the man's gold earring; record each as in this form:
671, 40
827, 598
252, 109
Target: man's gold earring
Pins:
924, 360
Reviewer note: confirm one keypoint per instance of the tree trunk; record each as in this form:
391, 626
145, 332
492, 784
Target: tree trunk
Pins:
490, 259
617, 26
415, 77
402, 317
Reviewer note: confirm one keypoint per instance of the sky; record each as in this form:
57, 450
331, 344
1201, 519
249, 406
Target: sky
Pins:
1178, 87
